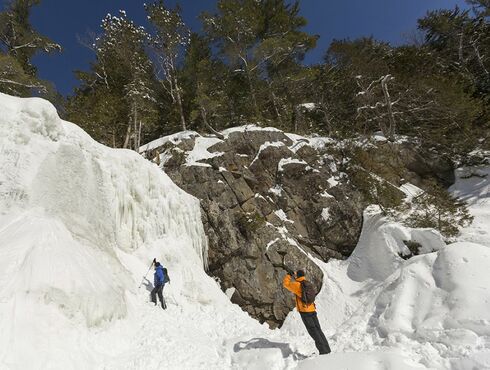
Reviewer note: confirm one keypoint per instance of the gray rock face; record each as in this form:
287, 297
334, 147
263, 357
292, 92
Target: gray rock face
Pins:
270, 202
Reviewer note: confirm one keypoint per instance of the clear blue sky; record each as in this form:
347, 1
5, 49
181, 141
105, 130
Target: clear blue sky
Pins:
63, 20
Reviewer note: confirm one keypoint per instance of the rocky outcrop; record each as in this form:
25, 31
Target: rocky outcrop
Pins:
272, 200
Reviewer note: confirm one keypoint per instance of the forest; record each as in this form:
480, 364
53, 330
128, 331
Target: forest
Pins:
247, 66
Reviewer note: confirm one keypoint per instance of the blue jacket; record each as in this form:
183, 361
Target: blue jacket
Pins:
159, 276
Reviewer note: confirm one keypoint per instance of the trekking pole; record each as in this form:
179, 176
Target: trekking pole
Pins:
144, 277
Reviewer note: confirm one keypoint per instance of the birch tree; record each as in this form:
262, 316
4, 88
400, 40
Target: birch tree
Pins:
169, 41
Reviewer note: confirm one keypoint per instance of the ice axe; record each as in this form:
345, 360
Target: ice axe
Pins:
144, 277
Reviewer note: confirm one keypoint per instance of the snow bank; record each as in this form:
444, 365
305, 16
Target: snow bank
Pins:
69, 207
381, 245
473, 186
430, 311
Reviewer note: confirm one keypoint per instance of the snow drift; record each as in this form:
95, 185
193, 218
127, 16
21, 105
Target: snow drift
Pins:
383, 312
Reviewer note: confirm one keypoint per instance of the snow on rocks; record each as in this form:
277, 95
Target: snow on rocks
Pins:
282, 216
265, 146
200, 151
195, 156
287, 161
326, 213
174, 138
246, 128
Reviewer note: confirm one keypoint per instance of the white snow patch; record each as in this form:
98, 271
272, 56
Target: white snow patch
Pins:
272, 242
276, 190
410, 191
326, 213
320, 143
308, 106
332, 182
266, 145
282, 216
325, 194
176, 138
200, 151
246, 128
287, 161
79, 225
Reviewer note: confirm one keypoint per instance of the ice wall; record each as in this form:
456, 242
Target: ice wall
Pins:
67, 204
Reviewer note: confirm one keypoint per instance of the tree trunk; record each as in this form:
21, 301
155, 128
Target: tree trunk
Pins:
128, 135
276, 108
295, 118
206, 123
252, 90
135, 125
460, 49
480, 59
391, 129
139, 136
178, 98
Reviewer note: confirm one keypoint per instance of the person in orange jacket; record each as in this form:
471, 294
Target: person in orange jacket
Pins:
292, 282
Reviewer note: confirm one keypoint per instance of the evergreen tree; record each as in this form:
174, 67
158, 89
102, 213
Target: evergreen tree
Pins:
235, 30
19, 42
438, 209
118, 92
259, 41
197, 52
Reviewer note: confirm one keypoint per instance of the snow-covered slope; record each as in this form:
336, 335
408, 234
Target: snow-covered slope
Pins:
80, 223
431, 311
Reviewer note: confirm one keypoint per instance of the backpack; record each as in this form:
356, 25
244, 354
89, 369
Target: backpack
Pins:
166, 279
308, 292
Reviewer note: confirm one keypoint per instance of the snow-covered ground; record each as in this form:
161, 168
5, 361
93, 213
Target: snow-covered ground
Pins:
80, 224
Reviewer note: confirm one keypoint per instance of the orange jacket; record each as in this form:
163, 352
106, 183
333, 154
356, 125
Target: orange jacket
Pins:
295, 288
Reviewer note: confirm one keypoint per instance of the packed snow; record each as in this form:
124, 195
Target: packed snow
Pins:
80, 224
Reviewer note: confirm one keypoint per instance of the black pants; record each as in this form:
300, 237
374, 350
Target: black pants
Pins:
310, 320
158, 290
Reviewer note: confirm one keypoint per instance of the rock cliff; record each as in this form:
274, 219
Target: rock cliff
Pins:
271, 199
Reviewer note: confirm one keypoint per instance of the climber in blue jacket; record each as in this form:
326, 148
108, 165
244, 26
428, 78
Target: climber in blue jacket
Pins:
158, 283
